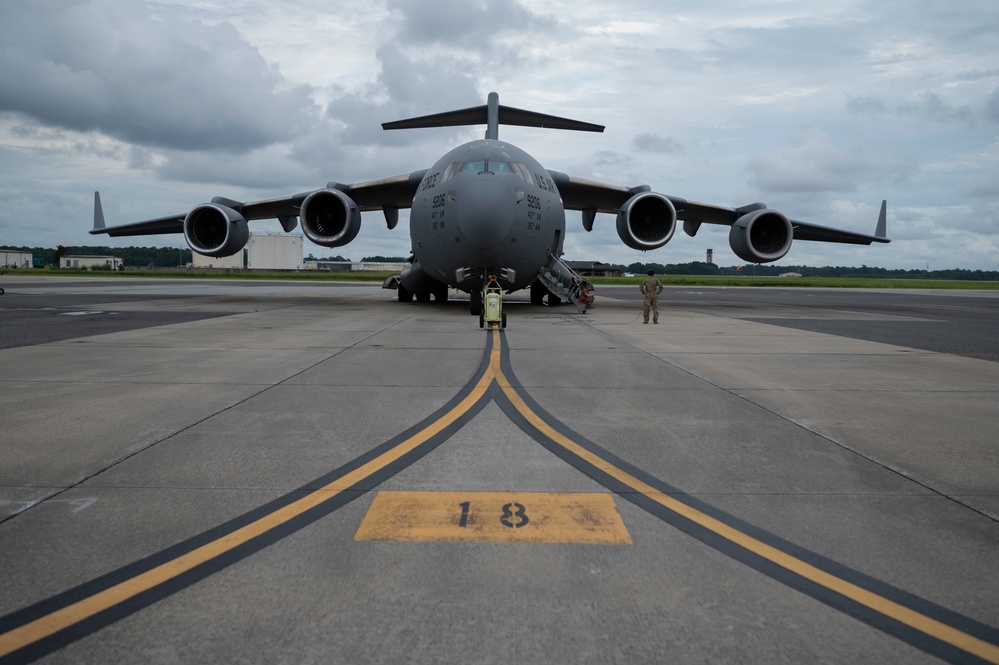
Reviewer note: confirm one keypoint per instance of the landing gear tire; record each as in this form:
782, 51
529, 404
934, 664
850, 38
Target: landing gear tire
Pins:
405, 295
482, 319
440, 296
476, 305
503, 320
423, 297
538, 292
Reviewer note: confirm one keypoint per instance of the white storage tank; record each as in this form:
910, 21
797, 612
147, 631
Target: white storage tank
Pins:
274, 251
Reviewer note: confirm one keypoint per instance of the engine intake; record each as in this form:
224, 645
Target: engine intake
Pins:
215, 230
761, 236
646, 221
330, 218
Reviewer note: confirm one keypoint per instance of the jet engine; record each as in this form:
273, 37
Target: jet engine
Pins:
215, 230
330, 218
761, 236
646, 221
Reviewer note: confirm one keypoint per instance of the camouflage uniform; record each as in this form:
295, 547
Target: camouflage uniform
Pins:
651, 287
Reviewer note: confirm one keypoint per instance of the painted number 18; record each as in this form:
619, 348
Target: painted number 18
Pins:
514, 515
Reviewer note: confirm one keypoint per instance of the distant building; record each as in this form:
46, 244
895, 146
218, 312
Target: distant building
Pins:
91, 262
353, 266
594, 269
15, 258
237, 260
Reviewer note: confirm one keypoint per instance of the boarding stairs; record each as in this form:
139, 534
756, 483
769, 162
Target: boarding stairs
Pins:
563, 282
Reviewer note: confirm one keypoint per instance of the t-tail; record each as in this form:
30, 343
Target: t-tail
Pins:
492, 115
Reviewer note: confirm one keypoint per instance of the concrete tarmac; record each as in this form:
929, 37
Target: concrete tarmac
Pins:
186, 467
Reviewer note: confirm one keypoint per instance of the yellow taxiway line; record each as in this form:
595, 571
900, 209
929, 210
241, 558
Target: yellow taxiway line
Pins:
889, 608
61, 619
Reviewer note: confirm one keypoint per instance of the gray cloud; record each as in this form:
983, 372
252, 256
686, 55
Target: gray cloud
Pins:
112, 68
815, 165
399, 92
928, 106
472, 26
164, 104
931, 106
992, 107
652, 142
870, 104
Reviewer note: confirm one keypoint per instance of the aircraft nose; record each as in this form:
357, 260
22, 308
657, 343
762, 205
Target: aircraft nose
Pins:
486, 211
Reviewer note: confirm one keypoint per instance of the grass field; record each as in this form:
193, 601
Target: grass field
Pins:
801, 282
667, 280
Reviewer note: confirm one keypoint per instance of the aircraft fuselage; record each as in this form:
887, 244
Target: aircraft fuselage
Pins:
486, 207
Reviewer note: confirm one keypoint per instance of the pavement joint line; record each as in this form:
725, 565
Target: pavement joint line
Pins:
928, 626
63, 619
265, 388
742, 394
932, 634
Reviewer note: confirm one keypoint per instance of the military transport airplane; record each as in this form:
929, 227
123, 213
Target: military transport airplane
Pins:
487, 208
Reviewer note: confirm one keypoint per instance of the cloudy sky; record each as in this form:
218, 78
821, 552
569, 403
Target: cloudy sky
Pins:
818, 109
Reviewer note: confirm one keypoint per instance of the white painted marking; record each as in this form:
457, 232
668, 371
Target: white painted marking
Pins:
76, 505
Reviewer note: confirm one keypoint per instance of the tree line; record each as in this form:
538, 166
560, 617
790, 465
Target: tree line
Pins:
140, 257
771, 270
160, 257
133, 257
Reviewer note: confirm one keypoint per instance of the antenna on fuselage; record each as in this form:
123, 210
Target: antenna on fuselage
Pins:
492, 115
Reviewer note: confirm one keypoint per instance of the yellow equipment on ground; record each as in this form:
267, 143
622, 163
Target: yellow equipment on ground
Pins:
492, 305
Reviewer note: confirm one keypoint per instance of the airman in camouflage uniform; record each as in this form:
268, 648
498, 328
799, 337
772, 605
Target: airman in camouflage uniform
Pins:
651, 287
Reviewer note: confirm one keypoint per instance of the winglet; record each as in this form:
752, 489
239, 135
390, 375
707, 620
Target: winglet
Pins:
98, 214
882, 229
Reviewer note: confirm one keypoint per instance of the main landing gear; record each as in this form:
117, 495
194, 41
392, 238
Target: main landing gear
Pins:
439, 295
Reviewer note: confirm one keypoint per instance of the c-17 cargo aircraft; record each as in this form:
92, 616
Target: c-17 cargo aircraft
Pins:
487, 209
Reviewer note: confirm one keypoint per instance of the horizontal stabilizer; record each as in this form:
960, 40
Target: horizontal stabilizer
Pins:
478, 115
493, 115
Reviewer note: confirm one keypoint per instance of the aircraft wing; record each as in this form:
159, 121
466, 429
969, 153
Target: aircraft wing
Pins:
387, 194
591, 196
396, 192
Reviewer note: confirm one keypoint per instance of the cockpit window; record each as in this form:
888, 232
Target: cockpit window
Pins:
486, 166
522, 171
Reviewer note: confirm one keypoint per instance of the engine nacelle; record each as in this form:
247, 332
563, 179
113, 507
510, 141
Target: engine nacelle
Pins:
215, 230
761, 236
330, 218
646, 221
